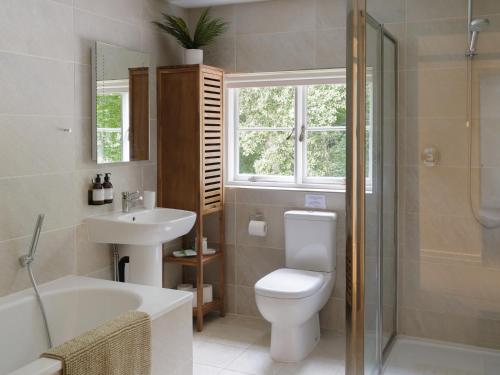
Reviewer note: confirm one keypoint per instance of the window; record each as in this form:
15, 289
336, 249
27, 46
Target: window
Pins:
287, 129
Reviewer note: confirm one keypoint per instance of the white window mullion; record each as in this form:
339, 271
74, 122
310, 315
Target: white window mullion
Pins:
299, 111
236, 139
303, 144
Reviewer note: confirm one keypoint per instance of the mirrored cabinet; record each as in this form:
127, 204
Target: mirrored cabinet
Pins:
120, 93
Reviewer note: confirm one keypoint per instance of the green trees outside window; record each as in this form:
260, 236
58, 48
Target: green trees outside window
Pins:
268, 124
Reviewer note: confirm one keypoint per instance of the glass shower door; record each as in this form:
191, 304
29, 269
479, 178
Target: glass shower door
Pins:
371, 193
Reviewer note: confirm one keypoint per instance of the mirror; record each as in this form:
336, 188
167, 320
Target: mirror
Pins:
120, 131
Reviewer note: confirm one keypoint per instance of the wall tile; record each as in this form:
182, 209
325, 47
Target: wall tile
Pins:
449, 327
245, 301
274, 219
222, 54
438, 190
330, 48
387, 11
253, 263
485, 7
90, 256
418, 10
40, 145
149, 173
226, 12
91, 27
436, 93
123, 10
230, 298
333, 315
35, 86
37, 28
436, 44
273, 52
449, 136
331, 13
83, 90
274, 16
55, 258
23, 198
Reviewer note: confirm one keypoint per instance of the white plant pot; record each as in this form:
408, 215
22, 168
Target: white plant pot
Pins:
193, 56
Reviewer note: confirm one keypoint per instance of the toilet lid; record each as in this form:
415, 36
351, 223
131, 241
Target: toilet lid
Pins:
288, 283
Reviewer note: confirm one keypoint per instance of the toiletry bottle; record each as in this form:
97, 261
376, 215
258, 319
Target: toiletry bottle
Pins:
108, 189
97, 191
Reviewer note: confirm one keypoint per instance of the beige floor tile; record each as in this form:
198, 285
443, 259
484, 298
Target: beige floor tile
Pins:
214, 354
240, 345
206, 370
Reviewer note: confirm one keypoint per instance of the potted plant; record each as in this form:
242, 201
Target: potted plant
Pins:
207, 29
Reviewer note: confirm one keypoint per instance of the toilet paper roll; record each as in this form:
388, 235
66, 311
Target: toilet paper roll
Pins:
257, 228
207, 294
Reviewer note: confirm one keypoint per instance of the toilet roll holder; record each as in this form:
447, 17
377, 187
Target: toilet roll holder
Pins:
257, 217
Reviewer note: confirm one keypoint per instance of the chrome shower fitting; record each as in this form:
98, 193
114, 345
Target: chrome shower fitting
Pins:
475, 27
26, 261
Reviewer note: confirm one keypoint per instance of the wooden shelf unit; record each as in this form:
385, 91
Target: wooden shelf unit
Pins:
190, 160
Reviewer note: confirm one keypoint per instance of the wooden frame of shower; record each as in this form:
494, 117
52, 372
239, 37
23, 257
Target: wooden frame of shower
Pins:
357, 19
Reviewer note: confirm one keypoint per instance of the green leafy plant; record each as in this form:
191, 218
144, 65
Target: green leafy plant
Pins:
207, 29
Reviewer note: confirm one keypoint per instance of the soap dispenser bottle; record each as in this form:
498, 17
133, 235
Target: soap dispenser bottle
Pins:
97, 191
108, 188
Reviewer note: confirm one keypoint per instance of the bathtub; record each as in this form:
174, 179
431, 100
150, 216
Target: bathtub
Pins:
76, 304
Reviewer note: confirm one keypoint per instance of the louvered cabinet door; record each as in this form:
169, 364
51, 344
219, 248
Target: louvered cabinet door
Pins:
212, 142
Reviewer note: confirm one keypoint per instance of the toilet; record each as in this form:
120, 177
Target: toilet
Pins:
290, 298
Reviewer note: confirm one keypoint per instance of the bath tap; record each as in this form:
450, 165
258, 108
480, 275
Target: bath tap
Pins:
26, 261
129, 200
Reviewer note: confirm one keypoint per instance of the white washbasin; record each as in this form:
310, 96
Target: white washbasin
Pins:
140, 227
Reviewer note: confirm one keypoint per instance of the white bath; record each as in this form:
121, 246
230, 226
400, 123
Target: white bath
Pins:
76, 304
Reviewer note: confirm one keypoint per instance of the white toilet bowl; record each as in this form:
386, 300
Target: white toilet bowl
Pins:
290, 299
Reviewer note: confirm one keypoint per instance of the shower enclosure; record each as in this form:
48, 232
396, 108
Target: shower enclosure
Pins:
433, 229
372, 194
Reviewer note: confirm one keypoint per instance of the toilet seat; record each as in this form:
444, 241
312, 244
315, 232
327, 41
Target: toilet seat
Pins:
288, 283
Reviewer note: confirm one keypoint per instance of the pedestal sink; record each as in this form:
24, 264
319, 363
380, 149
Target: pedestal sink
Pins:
139, 235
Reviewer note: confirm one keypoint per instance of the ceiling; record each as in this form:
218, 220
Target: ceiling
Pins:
206, 3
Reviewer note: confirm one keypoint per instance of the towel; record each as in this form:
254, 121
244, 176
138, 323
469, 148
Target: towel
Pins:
120, 346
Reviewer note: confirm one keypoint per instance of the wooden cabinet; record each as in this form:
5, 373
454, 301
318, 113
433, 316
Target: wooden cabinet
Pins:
190, 159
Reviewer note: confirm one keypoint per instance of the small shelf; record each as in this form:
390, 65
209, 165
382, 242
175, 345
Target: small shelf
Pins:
193, 261
215, 305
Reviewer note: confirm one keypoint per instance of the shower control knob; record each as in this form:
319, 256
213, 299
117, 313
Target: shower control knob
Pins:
430, 156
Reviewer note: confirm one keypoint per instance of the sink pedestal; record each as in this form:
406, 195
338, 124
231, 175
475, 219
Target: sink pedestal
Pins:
145, 266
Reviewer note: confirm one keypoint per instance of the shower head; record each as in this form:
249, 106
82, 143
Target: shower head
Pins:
475, 26
479, 24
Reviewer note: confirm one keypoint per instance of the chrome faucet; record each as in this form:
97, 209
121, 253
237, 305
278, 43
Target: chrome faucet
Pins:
129, 200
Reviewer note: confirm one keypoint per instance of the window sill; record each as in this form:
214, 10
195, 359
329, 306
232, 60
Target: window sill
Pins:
286, 187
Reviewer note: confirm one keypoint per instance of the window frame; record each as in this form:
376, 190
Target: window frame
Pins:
300, 80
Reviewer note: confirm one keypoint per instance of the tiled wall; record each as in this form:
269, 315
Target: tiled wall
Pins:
279, 35
449, 265
45, 86
272, 36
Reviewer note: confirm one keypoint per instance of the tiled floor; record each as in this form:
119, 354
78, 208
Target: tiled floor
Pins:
237, 345
423, 357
